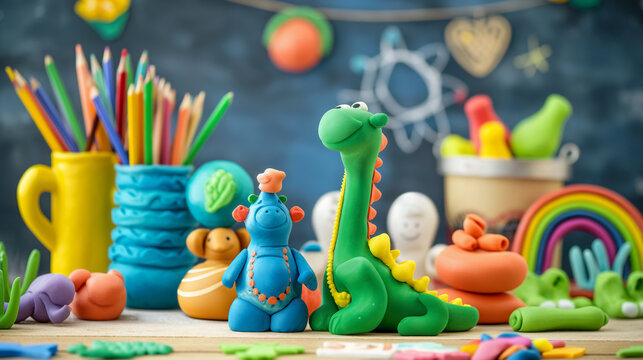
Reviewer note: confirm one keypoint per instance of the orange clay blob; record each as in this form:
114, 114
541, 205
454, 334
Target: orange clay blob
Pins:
98, 296
201, 294
481, 271
311, 298
296, 46
493, 308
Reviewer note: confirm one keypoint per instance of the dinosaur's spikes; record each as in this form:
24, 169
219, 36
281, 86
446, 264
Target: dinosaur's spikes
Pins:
379, 162
377, 177
383, 143
371, 213
395, 253
376, 194
371, 228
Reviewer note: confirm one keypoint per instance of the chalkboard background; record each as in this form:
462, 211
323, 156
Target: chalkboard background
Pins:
596, 62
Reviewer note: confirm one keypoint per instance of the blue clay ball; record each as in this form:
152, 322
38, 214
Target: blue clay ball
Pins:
196, 198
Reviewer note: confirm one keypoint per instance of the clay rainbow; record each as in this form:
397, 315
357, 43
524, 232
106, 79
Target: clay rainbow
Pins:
589, 208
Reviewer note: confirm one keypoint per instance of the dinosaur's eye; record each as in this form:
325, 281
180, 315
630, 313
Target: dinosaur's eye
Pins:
342, 106
360, 105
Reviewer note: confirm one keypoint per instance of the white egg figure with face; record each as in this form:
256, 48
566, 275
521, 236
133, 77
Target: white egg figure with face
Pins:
323, 219
412, 223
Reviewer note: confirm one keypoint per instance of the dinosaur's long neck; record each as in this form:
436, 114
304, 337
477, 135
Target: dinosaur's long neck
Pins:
353, 230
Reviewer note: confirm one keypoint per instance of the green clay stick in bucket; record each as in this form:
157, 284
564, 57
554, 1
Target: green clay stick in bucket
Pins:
536, 318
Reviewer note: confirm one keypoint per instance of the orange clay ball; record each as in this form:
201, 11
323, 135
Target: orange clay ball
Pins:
296, 46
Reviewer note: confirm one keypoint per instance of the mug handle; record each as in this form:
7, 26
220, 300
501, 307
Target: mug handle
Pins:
36, 180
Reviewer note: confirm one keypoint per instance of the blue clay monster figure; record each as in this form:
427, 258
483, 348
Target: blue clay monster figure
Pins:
269, 274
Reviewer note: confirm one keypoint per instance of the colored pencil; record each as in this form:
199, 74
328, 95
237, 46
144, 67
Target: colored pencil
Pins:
63, 101
129, 69
99, 81
208, 127
132, 126
158, 119
82, 73
92, 134
141, 69
42, 123
121, 96
139, 118
84, 84
148, 120
181, 129
111, 131
53, 114
108, 73
195, 118
168, 107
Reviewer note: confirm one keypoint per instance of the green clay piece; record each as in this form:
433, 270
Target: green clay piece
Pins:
8, 317
311, 15
537, 318
539, 135
261, 351
219, 190
632, 351
611, 295
364, 288
109, 31
551, 289
456, 145
31, 271
283, 198
119, 350
635, 286
252, 198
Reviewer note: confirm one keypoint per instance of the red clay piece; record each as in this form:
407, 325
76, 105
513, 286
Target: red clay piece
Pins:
464, 241
474, 225
481, 271
98, 296
493, 308
493, 242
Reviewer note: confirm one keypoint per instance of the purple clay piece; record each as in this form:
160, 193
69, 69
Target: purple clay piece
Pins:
47, 299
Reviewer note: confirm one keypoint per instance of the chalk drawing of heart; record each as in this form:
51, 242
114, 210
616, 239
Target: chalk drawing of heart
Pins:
478, 45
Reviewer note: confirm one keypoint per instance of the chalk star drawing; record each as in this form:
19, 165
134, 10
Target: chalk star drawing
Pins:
535, 59
375, 90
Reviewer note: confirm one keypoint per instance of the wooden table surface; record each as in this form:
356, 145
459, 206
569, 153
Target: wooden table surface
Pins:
200, 339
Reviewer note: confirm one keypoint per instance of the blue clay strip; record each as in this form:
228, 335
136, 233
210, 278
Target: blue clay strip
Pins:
152, 200
149, 256
163, 178
147, 237
159, 219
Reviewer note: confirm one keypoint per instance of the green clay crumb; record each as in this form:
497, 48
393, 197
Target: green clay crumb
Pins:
219, 190
632, 351
119, 350
261, 351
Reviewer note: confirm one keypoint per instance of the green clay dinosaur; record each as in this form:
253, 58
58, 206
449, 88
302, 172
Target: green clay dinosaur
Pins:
365, 289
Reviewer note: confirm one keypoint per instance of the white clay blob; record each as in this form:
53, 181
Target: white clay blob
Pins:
412, 223
431, 257
323, 219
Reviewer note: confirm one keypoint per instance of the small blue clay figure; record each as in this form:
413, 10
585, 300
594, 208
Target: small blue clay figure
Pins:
269, 274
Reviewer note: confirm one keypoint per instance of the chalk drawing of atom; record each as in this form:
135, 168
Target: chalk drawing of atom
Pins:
409, 124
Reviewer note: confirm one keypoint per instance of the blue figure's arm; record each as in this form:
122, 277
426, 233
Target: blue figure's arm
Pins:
232, 272
306, 274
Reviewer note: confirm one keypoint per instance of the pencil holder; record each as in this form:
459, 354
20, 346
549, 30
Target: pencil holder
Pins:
500, 191
152, 222
81, 187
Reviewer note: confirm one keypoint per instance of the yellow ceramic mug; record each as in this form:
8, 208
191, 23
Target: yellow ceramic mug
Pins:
81, 187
